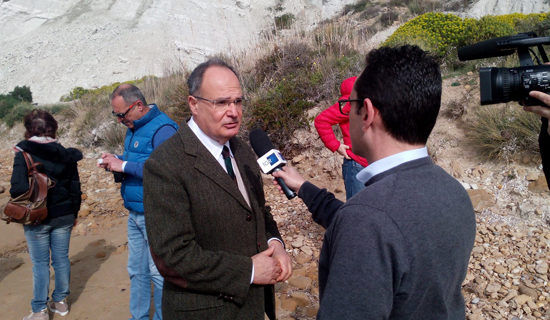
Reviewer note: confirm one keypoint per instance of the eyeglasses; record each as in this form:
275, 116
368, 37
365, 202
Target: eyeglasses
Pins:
342, 103
123, 115
222, 104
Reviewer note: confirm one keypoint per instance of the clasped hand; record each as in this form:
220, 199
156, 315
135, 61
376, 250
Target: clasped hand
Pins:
272, 265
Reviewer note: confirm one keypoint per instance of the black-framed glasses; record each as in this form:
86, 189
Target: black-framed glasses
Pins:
123, 115
222, 104
342, 103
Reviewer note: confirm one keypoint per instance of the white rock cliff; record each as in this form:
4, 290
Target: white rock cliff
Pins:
54, 46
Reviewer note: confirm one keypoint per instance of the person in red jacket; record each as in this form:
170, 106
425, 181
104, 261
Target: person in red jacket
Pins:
323, 123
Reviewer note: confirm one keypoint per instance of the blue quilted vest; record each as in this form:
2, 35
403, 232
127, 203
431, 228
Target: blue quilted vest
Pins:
138, 145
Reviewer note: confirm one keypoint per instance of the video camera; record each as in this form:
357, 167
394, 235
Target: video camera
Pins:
499, 85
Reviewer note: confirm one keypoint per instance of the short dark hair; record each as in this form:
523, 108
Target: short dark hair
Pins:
129, 93
194, 81
39, 123
404, 84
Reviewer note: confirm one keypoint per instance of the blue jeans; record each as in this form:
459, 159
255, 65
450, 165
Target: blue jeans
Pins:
350, 169
142, 271
41, 240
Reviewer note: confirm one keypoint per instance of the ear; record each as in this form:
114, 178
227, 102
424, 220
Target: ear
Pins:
368, 113
140, 105
192, 102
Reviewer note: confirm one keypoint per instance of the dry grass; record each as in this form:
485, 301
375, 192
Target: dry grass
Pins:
499, 131
169, 93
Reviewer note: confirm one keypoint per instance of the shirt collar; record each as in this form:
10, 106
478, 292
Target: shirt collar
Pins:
213, 146
390, 162
152, 113
42, 139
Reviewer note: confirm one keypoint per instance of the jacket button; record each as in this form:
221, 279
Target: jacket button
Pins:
248, 217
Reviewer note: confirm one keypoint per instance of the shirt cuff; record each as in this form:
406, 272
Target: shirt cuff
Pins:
124, 165
252, 277
268, 241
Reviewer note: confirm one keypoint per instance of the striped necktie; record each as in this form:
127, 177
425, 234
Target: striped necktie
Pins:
227, 160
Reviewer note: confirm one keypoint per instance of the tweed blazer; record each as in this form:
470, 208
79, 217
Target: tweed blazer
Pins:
199, 225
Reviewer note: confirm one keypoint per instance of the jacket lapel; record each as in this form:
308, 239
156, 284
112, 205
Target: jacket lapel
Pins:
208, 166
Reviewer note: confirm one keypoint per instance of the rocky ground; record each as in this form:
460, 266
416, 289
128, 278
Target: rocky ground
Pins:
508, 271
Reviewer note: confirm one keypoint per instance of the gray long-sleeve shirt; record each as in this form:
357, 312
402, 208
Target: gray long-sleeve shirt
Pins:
399, 249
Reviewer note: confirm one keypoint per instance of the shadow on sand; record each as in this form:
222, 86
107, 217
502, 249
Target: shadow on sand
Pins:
8, 265
85, 263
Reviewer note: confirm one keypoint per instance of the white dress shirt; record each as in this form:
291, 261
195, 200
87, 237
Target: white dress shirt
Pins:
392, 161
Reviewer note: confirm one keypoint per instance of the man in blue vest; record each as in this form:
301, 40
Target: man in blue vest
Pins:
148, 127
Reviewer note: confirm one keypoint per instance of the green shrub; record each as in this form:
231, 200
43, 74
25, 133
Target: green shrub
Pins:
387, 18
359, 6
281, 86
75, 94
498, 132
22, 93
284, 21
435, 32
443, 33
169, 93
21, 109
56, 108
7, 102
291, 79
295, 76
16, 114
417, 7
279, 110
79, 92
371, 12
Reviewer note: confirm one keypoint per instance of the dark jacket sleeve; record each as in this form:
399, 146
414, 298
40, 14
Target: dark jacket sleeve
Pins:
321, 203
19, 176
544, 144
75, 191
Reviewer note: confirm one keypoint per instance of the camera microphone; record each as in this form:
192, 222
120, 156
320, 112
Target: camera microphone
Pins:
485, 49
269, 158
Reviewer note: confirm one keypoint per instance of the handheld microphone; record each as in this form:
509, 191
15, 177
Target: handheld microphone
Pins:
270, 159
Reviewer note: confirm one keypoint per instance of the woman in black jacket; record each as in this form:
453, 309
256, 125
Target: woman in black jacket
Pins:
63, 202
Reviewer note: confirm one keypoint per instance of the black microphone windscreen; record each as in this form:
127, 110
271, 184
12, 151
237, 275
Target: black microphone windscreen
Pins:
260, 142
484, 49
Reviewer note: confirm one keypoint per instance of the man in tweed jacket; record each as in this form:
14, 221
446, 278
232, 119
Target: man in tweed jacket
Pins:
213, 237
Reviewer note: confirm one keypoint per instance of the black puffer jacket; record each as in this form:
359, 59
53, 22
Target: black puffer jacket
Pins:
60, 164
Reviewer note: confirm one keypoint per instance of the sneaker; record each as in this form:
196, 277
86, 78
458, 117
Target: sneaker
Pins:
60, 307
40, 315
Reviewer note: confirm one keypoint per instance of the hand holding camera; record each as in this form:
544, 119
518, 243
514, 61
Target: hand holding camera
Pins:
542, 110
110, 162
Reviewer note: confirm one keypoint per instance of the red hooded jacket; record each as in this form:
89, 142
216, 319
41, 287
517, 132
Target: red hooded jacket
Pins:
331, 116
